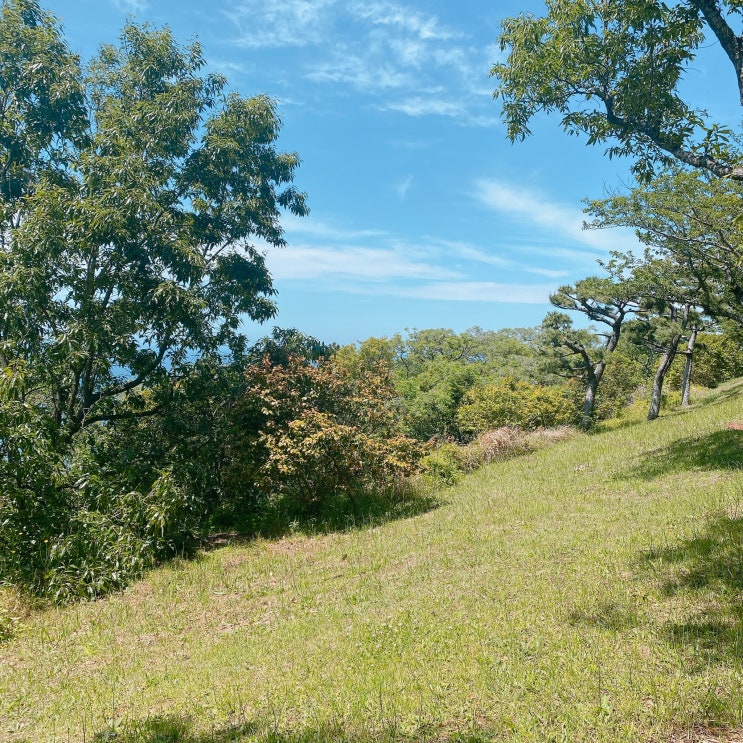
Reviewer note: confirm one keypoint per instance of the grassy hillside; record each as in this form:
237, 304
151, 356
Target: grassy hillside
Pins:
587, 592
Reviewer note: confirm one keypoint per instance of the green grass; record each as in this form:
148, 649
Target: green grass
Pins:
590, 591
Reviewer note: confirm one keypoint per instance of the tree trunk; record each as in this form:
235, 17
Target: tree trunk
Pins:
686, 381
589, 401
660, 375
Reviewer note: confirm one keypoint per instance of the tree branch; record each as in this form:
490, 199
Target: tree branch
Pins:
732, 45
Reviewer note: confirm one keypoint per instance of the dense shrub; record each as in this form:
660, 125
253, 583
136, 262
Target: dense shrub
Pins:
309, 432
78, 519
510, 402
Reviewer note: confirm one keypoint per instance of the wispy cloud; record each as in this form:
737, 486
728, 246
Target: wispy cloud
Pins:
265, 23
131, 6
311, 226
562, 221
401, 57
483, 291
358, 264
373, 263
478, 255
403, 17
403, 186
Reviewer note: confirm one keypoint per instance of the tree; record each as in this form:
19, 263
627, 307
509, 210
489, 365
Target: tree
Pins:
130, 252
668, 298
130, 201
284, 343
42, 105
612, 71
605, 300
687, 218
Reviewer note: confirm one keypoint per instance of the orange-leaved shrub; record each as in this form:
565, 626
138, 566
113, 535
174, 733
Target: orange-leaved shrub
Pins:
311, 431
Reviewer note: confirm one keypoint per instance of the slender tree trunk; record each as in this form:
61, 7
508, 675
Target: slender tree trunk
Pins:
595, 373
686, 381
589, 401
660, 375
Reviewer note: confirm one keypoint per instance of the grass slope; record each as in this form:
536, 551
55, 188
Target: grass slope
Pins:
587, 592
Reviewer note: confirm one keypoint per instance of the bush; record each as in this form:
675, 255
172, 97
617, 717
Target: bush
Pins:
511, 402
309, 432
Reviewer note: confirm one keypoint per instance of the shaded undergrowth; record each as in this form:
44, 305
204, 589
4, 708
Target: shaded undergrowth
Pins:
283, 518
178, 729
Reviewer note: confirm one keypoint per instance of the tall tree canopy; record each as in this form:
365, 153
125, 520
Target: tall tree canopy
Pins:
132, 195
612, 70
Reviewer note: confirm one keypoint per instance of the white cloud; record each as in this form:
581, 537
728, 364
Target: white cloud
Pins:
404, 18
360, 72
357, 264
483, 291
419, 106
264, 23
392, 52
478, 255
131, 6
564, 222
310, 226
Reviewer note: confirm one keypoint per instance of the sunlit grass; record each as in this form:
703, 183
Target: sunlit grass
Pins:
589, 591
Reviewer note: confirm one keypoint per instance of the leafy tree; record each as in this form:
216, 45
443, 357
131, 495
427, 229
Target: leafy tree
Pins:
604, 300
668, 299
130, 198
612, 71
130, 252
284, 343
368, 356
434, 369
42, 107
688, 219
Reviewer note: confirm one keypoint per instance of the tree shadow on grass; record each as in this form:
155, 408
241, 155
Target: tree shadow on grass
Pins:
708, 569
607, 615
721, 394
282, 518
720, 450
177, 729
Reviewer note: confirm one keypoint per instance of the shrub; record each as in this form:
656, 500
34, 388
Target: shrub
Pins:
445, 464
510, 402
313, 431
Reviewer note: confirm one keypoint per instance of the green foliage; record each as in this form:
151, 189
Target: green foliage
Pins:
684, 219
612, 71
510, 402
624, 374
284, 343
719, 358
130, 198
116, 275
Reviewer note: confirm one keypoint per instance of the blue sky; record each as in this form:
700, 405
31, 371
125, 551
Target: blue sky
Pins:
423, 215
